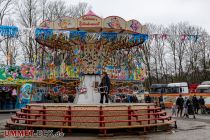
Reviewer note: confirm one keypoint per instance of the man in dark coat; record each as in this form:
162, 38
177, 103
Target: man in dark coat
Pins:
161, 103
180, 104
190, 107
104, 87
195, 104
201, 102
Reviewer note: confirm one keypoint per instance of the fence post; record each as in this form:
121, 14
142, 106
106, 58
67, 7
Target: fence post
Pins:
156, 115
69, 119
44, 115
148, 111
129, 115
101, 118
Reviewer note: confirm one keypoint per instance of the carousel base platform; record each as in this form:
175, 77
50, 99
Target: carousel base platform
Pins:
102, 118
8, 111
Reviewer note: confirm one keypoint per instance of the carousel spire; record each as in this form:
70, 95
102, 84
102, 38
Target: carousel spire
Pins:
90, 13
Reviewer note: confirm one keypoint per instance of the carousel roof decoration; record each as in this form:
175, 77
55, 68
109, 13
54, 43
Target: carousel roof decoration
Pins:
94, 42
90, 13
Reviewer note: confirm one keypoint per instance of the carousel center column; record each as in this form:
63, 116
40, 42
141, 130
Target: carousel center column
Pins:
91, 94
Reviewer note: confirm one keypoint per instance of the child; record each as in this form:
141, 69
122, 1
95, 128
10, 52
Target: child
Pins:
173, 110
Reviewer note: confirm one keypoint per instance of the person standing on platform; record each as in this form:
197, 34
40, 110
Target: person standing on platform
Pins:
104, 87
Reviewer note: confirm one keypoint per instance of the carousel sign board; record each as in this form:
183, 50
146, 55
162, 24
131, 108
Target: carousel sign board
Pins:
65, 23
114, 22
89, 21
134, 26
46, 24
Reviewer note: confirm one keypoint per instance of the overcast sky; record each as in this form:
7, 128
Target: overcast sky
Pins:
195, 12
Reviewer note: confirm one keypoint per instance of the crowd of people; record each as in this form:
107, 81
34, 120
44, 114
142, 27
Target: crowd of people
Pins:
183, 107
61, 98
124, 98
190, 106
7, 100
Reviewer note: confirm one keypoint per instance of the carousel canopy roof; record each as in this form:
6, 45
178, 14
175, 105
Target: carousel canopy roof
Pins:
90, 22
87, 29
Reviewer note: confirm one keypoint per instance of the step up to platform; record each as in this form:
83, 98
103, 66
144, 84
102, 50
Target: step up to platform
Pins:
101, 117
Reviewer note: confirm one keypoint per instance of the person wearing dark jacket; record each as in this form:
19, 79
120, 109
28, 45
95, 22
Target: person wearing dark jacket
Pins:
104, 87
201, 102
161, 103
180, 104
195, 104
190, 107
148, 99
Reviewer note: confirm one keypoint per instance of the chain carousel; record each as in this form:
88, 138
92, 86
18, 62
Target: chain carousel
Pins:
92, 45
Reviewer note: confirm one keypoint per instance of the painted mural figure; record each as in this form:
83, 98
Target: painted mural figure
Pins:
25, 97
135, 25
114, 23
27, 71
63, 23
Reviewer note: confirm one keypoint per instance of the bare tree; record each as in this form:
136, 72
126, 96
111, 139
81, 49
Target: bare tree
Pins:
159, 51
203, 43
172, 45
78, 10
147, 53
43, 9
55, 10
183, 54
6, 7
178, 47
9, 46
28, 18
5, 10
